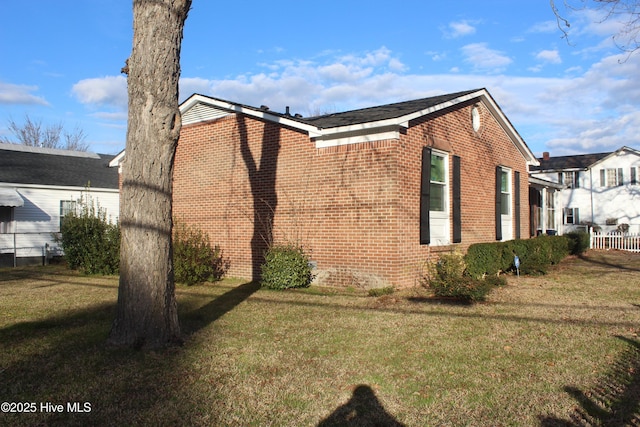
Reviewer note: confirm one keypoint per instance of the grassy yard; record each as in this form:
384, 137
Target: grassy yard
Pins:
560, 349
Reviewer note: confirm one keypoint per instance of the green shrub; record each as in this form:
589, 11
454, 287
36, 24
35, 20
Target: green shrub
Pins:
495, 280
484, 259
285, 267
91, 243
578, 242
195, 260
536, 255
447, 278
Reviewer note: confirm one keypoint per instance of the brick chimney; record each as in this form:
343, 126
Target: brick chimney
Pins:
545, 155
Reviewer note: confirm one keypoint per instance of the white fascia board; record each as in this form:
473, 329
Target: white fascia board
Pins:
115, 162
545, 183
265, 115
615, 153
18, 186
355, 139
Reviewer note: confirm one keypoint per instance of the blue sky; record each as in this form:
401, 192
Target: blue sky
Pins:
61, 63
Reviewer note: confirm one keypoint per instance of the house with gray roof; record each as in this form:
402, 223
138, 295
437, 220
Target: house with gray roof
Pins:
599, 190
38, 186
371, 194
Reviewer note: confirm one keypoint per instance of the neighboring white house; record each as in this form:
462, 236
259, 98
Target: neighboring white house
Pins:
38, 186
600, 189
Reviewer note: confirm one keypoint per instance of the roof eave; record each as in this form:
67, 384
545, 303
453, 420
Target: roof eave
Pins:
195, 99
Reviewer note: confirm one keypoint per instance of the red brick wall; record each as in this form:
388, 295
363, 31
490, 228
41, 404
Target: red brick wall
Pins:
480, 152
354, 207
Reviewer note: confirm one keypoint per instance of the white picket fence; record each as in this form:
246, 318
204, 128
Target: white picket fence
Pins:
615, 240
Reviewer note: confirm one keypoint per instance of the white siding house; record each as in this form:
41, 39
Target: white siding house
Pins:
37, 187
600, 190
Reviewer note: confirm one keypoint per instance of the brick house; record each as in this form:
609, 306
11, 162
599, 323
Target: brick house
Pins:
371, 193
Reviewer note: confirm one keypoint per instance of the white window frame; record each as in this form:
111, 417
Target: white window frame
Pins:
550, 210
569, 178
66, 207
570, 213
440, 221
506, 218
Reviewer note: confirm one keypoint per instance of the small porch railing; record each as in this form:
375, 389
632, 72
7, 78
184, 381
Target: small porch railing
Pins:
616, 240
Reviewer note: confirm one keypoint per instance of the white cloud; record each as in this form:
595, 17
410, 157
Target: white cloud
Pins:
484, 58
586, 111
110, 91
549, 56
20, 94
544, 27
458, 29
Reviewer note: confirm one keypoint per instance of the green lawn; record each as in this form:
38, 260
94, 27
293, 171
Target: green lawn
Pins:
560, 349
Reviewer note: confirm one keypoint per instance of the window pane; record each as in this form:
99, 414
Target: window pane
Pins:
436, 197
612, 177
437, 168
505, 202
504, 184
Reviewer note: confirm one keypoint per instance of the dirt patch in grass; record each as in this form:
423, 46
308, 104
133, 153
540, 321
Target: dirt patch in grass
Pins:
560, 349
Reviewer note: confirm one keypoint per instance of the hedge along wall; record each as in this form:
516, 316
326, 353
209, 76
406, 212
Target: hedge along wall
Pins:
536, 255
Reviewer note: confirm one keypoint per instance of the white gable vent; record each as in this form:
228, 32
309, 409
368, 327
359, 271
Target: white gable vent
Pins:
202, 112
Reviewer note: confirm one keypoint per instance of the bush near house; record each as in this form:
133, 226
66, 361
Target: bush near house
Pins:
286, 267
195, 260
472, 276
448, 278
536, 255
90, 242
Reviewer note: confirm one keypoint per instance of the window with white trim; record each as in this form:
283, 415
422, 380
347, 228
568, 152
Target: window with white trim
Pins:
439, 198
570, 179
66, 207
551, 210
571, 216
505, 190
611, 177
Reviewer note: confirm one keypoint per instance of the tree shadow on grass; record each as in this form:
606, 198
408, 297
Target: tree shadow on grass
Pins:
614, 401
64, 359
363, 409
197, 319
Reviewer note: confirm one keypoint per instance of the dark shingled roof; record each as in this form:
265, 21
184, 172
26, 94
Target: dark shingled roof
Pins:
21, 165
382, 112
582, 161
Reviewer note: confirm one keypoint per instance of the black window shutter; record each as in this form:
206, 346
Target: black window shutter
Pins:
576, 183
425, 186
603, 181
516, 193
576, 219
498, 203
457, 208
560, 180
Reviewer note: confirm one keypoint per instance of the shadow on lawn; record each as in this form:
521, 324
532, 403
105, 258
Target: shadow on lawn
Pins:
606, 259
65, 359
614, 401
363, 409
197, 319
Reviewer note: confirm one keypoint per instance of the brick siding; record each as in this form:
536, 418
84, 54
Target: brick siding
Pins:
355, 208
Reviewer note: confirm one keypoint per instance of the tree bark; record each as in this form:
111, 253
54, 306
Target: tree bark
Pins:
147, 310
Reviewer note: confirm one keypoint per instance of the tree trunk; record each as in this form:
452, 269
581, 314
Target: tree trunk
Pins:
147, 310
